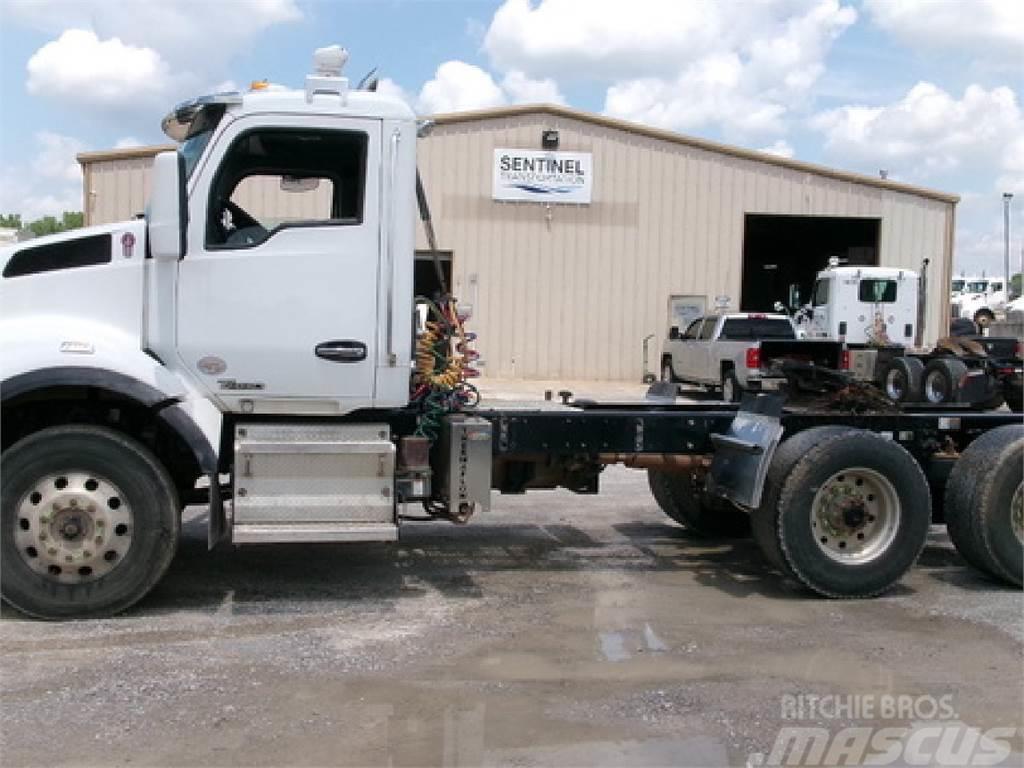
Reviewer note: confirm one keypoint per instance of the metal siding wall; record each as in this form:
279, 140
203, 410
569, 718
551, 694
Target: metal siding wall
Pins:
573, 297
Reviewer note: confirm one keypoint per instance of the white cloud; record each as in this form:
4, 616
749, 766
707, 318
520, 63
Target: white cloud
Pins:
990, 29
928, 131
458, 86
48, 183
127, 142
523, 90
118, 53
739, 65
388, 87
55, 156
79, 67
779, 148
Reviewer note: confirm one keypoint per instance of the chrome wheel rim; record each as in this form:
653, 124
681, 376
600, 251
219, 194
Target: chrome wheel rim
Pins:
1017, 513
894, 387
855, 515
73, 527
935, 389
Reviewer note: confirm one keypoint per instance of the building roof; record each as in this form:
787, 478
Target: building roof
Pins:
555, 110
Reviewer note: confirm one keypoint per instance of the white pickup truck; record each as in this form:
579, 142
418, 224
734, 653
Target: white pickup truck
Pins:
732, 352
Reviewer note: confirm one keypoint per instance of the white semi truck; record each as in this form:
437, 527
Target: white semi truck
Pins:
272, 373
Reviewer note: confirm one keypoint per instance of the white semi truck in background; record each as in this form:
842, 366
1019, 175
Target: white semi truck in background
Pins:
272, 373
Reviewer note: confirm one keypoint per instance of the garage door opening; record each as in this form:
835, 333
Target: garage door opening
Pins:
782, 254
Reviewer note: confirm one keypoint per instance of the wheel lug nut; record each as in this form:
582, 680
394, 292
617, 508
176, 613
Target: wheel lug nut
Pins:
99, 539
99, 523
51, 551
42, 535
74, 502
69, 558
86, 554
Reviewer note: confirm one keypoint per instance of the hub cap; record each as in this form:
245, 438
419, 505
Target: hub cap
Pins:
73, 527
894, 386
935, 389
855, 515
1017, 513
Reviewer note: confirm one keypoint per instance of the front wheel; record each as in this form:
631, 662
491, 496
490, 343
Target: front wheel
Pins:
89, 522
851, 515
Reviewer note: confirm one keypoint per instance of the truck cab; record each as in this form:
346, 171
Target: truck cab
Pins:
863, 306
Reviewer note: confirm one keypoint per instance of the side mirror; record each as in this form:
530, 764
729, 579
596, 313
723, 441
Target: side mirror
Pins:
673, 332
167, 216
779, 306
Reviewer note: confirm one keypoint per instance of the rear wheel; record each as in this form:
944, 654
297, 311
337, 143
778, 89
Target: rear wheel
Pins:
732, 392
681, 497
903, 378
852, 514
985, 503
89, 522
942, 380
666, 371
764, 519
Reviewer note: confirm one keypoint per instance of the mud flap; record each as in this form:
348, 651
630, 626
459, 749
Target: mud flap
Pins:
742, 455
217, 529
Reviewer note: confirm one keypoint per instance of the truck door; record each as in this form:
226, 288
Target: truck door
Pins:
697, 359
277, 294
820, 325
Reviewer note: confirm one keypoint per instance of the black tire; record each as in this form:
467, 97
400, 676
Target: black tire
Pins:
764, 519
983, 318
902, 523
1014, 395
667, 374
941, 383
679, 497
902, 380
980, 503
145, 497
732, 392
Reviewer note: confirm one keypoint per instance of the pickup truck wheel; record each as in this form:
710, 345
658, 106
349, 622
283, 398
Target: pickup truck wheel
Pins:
853, 515
732, 392
680, 497
89, 522
666, 371
764, 520
902, 382
985, 503
942, 380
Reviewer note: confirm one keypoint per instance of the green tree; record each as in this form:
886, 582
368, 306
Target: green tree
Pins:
10, 220
49, 225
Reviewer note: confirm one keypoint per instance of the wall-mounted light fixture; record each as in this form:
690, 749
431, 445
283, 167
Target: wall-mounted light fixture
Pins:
549, 139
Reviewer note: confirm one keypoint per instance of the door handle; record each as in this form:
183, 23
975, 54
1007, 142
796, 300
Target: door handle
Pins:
341, 351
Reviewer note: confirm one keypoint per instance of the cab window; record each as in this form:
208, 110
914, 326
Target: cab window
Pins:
273, 179
707, 329
877, 291
820, 295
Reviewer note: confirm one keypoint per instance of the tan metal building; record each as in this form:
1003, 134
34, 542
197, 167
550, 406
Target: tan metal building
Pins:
570, 291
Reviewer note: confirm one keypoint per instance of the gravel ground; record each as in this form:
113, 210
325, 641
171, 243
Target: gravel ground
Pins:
556, 630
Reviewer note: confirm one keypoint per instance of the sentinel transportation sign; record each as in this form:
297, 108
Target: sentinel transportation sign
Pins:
542, 177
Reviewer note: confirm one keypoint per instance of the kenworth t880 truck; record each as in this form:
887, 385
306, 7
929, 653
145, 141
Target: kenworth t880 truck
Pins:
285, 375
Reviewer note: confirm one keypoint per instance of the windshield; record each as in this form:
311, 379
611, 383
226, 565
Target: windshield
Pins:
198, 136
978, 286
958, 285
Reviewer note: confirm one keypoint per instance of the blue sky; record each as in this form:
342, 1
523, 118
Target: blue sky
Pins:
930, 90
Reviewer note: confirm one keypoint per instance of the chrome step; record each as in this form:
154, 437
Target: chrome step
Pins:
281, 533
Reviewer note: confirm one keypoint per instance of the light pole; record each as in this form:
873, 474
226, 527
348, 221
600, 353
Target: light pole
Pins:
1007, 197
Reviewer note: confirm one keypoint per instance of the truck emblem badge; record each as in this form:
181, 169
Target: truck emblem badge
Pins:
212, 365
232, 385
127, 244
